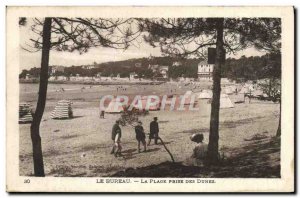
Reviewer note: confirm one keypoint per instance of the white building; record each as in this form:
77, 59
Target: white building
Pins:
55, 69
176, 64
205, 71
163, 70
61, 78
98, 75
133, 76
154, 68
88, 67
28, 76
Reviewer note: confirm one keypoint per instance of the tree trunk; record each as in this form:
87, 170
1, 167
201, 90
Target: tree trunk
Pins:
213, 145
42, 94
278, 133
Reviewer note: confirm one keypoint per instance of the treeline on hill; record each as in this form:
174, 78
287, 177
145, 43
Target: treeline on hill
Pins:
253, 68
140, 66
244, 68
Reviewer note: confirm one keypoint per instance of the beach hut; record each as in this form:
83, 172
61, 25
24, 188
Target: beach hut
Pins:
25, 113
115, 106
205, 94
62, 110
225, 102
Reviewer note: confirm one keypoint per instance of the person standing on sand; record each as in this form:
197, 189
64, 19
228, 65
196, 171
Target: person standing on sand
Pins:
154, 129
140, 136
102, 114
116, 137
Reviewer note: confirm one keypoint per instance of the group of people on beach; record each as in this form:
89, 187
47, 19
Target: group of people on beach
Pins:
140, 136
121, 88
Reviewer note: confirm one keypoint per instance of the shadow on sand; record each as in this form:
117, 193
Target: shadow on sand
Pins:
131, 153
74, 117
192, 131
258, 159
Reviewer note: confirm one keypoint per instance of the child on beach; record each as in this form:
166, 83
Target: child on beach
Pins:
200, 150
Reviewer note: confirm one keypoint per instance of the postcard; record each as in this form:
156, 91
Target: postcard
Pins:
150, 99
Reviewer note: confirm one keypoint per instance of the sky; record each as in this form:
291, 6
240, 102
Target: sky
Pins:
99, 55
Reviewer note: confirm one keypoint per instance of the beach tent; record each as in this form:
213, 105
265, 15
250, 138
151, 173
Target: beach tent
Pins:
229, 90
198, 94
244, 89
225, 102
25, 113
115, 106
141, 105
257, 92
62, 110
239, 98
189, 92
187, 100
234, 88
152, 107
251, 88
189, 97
205, 94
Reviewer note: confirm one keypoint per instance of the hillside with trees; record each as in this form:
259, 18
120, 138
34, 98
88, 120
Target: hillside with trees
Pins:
253, 67
242, 69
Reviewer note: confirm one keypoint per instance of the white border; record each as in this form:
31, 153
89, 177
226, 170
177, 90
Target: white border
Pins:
15, 182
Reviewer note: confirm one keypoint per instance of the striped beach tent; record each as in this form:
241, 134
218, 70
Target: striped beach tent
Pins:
189, 97
115, 106
25, 113
62, 110
153, 106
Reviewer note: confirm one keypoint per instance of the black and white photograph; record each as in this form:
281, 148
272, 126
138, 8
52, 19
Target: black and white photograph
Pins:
161, 100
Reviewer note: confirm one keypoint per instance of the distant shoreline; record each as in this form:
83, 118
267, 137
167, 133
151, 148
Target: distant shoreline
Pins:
23, 81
